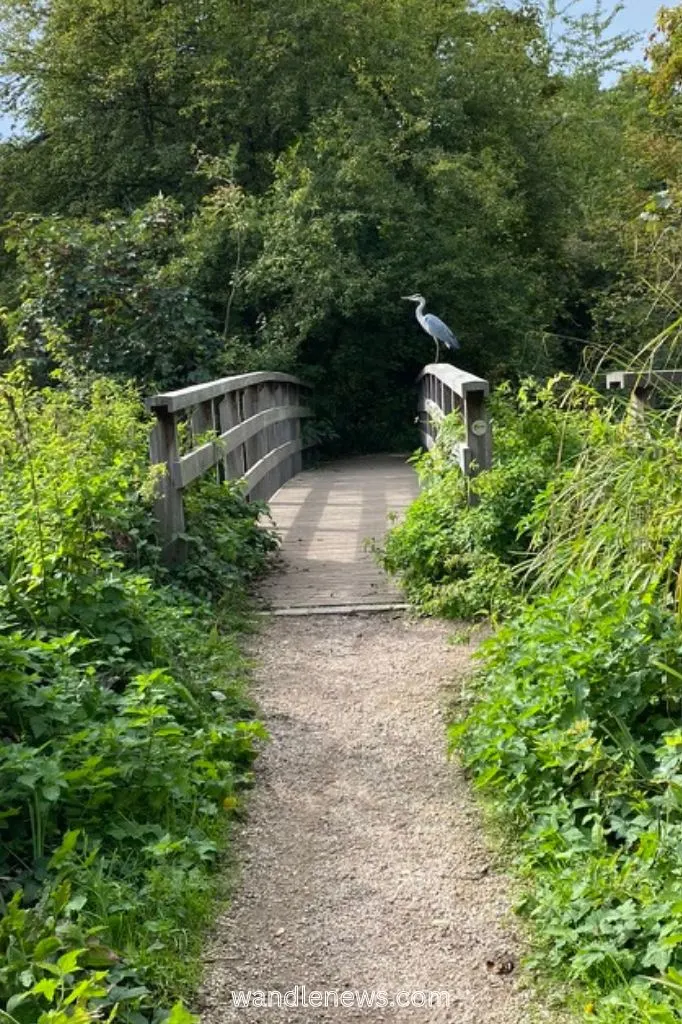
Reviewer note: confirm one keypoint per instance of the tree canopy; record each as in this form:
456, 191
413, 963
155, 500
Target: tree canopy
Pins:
317, 160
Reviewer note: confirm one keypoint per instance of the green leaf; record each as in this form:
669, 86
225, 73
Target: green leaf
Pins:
65, 849
16, 1000
76, 903
46, 987
68, 962
179, 1015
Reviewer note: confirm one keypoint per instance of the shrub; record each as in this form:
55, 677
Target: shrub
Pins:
113, 296
125, 738
574, 730
457, 560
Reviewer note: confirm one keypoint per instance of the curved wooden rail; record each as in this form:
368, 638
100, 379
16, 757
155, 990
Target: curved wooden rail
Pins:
243, 427
444, 389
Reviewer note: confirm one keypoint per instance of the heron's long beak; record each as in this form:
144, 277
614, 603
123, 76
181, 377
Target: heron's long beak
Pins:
408, 298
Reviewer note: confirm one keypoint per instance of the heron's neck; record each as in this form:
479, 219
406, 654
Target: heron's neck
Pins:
420, 307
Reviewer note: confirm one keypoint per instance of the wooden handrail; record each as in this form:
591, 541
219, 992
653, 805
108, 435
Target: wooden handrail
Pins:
185, 398
248, 427
629, 380
455, 379
443, 389
642, 386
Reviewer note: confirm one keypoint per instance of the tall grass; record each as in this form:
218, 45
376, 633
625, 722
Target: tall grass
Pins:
617, 509
574, 730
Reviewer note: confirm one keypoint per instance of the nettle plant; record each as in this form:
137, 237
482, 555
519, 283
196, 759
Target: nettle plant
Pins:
574, 729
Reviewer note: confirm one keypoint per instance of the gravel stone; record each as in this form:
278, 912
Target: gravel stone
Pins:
364, 865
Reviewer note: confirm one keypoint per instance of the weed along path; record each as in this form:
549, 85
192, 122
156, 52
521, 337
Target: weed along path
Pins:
364, 874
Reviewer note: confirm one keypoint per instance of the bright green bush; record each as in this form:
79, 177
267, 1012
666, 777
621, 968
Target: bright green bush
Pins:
125, 738
457, 560
574, 731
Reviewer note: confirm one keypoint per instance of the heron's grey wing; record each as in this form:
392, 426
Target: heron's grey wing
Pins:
441, 331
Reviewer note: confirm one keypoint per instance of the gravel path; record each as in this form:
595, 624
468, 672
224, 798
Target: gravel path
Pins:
363, 862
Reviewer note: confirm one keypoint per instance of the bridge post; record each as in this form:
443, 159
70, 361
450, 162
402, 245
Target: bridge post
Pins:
444, 389
229, 415
477, 424
642, 386
169, 509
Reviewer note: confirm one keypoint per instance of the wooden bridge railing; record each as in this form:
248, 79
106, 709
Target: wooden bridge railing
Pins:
444, 389
247, 426
641, 386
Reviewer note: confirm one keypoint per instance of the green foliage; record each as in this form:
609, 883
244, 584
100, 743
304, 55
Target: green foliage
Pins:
430, 171
224, 549
116, 94
125, 737
320, 159
327, 156
111, 297
617, 508
574, 728
457, 559
635, 235
576, 733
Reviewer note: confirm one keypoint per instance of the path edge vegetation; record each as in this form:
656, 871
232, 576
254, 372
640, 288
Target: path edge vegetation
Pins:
128, 735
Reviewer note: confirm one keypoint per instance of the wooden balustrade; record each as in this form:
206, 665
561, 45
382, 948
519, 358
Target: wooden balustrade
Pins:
244, 427
641, 385
444, 389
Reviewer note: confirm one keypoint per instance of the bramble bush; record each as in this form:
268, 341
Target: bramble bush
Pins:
126, 740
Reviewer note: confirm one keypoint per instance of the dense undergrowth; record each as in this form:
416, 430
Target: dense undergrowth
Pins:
573, 726
455, 559
125, 736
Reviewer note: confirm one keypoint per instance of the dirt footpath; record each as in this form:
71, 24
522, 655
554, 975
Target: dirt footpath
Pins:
364, 868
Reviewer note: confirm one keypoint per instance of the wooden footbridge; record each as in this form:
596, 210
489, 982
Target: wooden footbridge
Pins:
256, 427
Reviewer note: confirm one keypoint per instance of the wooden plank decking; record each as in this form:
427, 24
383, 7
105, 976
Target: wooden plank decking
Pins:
325, 516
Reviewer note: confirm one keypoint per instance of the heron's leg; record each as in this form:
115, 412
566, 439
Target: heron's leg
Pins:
437, 349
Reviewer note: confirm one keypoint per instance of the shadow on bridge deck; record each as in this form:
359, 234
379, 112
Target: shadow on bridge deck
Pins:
324, 517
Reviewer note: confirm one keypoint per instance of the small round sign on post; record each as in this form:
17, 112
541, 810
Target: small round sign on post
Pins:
479, 428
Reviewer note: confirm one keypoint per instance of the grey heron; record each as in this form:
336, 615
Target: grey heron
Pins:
433, 325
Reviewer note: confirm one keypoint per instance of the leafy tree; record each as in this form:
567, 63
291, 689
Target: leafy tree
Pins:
113, 95
329, 155
109, 296
444, 177
639, 311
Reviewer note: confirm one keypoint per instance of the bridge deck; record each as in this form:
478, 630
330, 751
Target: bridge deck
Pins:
325, 517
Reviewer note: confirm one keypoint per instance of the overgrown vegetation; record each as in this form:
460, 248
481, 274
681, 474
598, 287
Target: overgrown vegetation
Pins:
126, 735
456, 559
572, 726
575, 727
